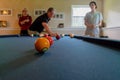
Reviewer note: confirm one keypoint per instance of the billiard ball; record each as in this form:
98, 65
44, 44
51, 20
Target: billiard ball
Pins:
45, 35
62, 35
51, 41
71, 35
32, 35
42, 44
57, 37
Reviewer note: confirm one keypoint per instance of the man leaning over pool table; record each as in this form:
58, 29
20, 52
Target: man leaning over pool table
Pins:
41, 23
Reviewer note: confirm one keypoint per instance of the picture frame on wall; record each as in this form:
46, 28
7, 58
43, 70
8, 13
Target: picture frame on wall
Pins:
36, 12
59, 16
3, 23
39, 12
44, 12
5, 12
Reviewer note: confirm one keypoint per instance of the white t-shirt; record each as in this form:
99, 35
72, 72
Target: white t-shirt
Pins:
93, 18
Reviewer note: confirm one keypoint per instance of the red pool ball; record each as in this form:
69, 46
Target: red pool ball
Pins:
57, 37
45, 35
50, 39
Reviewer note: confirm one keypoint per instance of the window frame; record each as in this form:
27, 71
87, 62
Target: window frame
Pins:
73, 6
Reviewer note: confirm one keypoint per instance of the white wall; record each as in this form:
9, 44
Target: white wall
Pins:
112, 13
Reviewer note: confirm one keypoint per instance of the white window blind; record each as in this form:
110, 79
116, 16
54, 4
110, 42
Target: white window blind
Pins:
78, 14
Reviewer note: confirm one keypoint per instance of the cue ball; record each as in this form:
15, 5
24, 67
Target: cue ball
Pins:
32, 35
62, 35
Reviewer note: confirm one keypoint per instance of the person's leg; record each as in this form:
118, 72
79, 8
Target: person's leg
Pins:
96, 32
26, 33
88, 32
91, 32
21, 32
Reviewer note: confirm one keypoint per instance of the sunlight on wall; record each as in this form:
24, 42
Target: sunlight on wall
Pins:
113, 19
112, 13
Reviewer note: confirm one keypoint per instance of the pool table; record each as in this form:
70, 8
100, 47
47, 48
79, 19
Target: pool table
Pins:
67, 59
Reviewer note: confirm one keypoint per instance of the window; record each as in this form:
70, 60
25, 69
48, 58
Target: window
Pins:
78, 14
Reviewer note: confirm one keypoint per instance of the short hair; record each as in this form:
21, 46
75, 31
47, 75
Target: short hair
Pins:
24, 10
50, 9
93, 2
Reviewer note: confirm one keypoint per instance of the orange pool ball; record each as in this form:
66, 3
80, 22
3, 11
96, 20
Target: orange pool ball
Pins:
42, 45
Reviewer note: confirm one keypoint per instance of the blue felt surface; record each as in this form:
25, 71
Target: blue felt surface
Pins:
67, 59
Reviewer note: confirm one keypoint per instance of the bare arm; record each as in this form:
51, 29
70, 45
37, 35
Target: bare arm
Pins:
21, 22
88, 25
101, 20
100, 23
